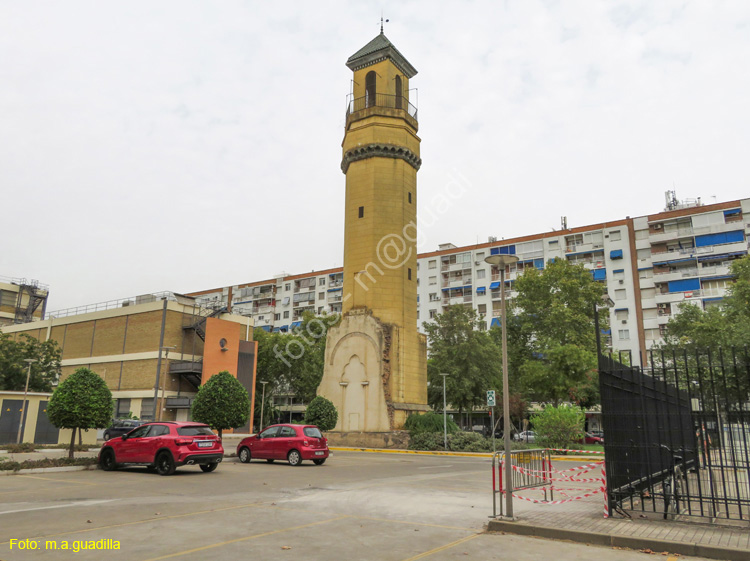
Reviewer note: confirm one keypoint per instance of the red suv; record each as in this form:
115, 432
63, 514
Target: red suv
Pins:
293, 443
163, 447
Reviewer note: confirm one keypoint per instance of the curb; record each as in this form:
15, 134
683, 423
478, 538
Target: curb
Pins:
565, 458
614, 540
48, 470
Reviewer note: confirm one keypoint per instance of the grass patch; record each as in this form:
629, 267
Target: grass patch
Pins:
8, 465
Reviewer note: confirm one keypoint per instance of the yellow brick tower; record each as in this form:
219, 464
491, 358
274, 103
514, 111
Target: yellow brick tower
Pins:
376, 368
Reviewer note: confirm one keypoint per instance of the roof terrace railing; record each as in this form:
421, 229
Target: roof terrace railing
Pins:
389, 101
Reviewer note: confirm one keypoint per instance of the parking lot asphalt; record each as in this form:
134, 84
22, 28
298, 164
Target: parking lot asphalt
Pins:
356, 506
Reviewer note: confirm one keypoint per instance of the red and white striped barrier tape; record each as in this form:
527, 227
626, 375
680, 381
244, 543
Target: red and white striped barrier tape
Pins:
542, 501
546, 477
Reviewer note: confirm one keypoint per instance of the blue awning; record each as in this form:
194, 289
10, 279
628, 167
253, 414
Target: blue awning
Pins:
615, 254
507, 250
284, 328
644, 268
621, 309
619, 271
243, 302
494, 322
335, 289
446, 289
713, 299
599, 274
295, 324
681, 260
685, 285
733, 212
720, 238
719, 277
265, 327
481, 290
606, 331
494, 286
539, 263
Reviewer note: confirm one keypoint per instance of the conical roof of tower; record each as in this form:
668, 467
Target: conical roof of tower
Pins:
379, 49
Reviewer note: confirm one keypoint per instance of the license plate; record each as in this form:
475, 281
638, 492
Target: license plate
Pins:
205, 444
319, 453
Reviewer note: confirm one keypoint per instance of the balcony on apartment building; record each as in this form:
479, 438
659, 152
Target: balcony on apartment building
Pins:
657, 235
448, 266
305, 285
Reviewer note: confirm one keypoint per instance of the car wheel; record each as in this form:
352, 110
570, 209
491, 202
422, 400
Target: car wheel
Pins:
164, 464
294, 458
208, 468
269, 460
319, 462
107, 436
107, 460
245, 455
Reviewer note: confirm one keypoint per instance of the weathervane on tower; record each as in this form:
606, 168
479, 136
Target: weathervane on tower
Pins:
381, 22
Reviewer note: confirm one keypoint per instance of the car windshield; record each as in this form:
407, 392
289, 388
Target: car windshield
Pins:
194, 431
312, 432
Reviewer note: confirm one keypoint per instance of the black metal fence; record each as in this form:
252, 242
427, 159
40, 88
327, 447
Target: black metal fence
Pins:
677, 434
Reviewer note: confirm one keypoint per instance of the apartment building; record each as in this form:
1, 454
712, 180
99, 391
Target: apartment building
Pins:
21, 300
651, 265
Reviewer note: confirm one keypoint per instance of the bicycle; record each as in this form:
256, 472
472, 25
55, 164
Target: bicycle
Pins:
672, 486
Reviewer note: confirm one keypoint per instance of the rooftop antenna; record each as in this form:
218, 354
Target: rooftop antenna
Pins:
381, 22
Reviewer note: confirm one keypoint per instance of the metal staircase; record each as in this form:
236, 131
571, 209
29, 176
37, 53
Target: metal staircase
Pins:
36, 296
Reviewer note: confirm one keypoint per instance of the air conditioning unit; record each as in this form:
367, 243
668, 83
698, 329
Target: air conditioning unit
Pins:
477, 262
622, 281
624, 322
658, 226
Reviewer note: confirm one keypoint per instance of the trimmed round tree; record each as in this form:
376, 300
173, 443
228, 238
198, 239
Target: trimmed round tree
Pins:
321, 412
82, 401
222, 403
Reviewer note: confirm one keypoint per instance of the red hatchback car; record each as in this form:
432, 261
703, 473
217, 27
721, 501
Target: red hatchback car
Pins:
163, 447
293, 443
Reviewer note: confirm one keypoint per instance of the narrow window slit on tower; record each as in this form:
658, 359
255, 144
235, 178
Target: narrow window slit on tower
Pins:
361, 211
409, 197
409, 273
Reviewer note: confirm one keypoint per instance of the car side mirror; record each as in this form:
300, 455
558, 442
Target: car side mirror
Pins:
124, 437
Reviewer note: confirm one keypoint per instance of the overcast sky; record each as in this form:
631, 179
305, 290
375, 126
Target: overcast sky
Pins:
182, 146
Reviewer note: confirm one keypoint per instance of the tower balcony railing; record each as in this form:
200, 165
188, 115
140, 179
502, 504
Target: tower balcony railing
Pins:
389, 101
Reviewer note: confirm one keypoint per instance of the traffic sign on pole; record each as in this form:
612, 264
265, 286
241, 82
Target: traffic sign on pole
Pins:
490, 398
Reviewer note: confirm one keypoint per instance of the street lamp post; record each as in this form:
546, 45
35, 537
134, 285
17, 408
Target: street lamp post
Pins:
501, 261
262, 404
445, 415
29, 361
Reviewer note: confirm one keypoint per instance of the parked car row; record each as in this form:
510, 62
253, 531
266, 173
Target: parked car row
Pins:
165, 446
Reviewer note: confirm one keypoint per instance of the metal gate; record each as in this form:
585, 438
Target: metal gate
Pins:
677, 435
46, 432
10, 416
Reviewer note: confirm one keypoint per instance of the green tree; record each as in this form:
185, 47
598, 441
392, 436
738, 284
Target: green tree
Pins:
559, 427
13, 368
81, 401
321, 412
222, 403
555, 311
469, 357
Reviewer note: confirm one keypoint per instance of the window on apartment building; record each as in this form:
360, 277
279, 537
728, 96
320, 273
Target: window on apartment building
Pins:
624, 334
620, 294
434, 297
432, 280
288, 287
615, 236
433, 313
320, 310
618, 274
361, 211
321, 295
286, 315
621, 315
432, 264
481, 273
480, 256
417, 314
482, 309
276, 317
260, 317
322, 281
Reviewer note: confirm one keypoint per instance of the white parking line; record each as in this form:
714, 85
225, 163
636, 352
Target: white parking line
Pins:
80, 503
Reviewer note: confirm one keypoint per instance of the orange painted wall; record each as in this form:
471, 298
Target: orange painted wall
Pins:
214, 359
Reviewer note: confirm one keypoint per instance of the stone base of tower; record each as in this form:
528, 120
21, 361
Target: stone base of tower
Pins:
365, 375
